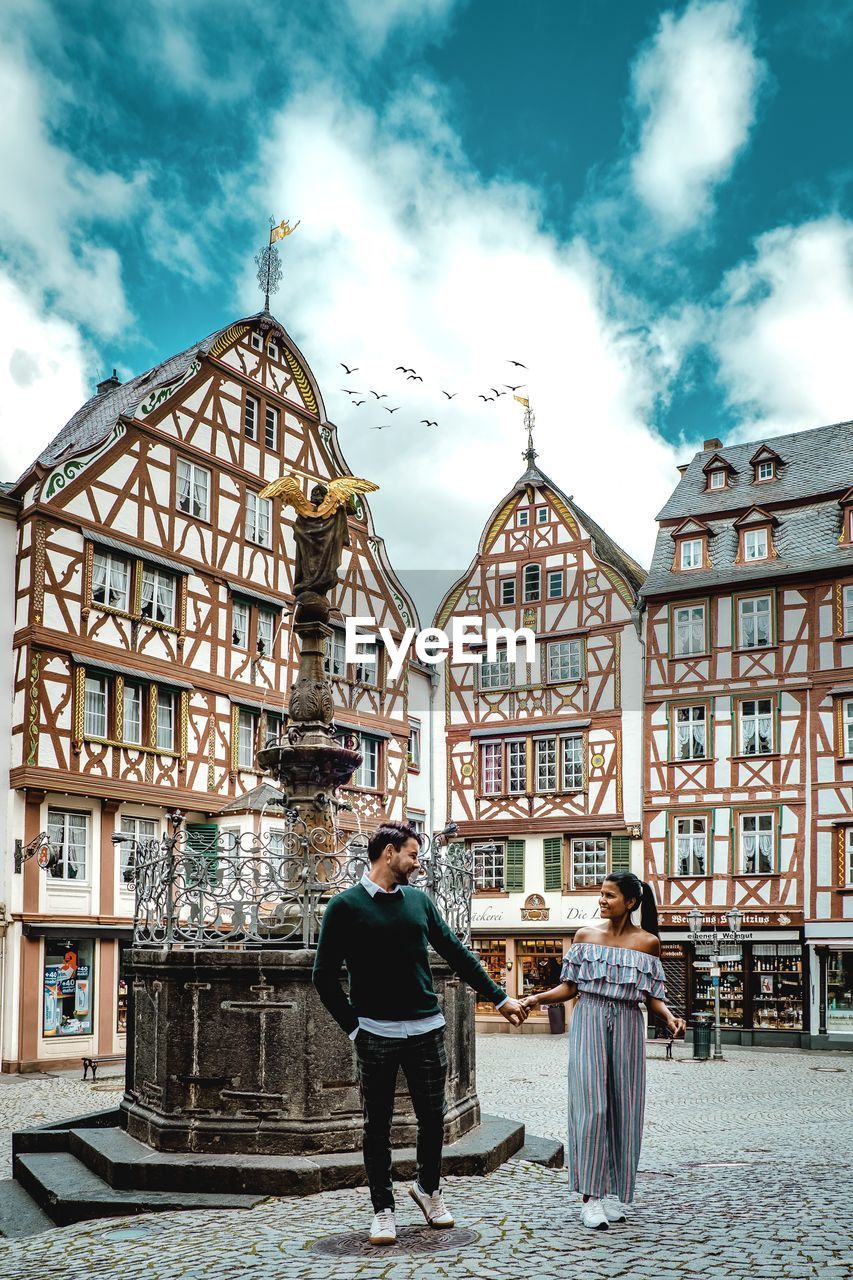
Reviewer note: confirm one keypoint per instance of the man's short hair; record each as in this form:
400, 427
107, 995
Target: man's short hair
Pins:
396, 833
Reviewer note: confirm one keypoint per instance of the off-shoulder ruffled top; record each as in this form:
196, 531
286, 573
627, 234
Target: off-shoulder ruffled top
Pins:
614, 972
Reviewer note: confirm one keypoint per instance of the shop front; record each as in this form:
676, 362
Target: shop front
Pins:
521, 942
763, 981
73, 996
830, 945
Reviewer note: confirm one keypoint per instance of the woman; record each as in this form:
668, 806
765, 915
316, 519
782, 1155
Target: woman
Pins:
613, 967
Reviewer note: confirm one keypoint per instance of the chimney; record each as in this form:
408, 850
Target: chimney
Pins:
712, 444
109, 384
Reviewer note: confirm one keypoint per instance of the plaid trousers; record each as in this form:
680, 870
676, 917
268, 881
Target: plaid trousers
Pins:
424, 1063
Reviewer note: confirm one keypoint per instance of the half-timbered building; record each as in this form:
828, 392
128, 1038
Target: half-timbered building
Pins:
749, 731
152, 657
543, 758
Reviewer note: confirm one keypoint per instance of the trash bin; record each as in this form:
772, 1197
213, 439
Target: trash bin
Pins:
702, 1025
557, 1018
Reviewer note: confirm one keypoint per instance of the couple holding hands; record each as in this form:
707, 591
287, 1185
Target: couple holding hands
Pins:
381, 930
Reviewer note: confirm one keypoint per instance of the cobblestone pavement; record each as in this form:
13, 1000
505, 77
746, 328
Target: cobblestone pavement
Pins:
745, 1173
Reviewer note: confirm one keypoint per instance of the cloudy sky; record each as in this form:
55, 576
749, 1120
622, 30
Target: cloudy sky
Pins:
648, 205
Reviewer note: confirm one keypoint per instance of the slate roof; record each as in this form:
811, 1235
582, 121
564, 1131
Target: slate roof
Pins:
255, 801
94, 420
817, 468
815, 462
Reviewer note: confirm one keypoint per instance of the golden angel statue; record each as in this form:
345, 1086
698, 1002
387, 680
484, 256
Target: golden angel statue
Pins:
320, 527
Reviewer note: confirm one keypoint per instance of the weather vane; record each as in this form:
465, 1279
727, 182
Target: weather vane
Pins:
529, 423
268, 261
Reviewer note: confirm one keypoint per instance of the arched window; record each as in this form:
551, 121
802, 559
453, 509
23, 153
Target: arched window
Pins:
532, 582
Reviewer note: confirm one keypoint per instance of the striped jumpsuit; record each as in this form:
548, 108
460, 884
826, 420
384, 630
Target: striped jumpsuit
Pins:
607, 1065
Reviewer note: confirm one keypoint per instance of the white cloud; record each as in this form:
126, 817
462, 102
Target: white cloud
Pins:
374, 20
42, 378
48, 199
695, 89
782, 332
405, 256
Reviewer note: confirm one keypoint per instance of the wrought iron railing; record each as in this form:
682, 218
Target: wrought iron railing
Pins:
267, 890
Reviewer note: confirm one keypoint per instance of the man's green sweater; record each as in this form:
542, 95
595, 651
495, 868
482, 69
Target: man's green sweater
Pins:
383, 941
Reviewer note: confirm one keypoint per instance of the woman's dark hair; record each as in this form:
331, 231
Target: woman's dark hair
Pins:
396, 833
635, 890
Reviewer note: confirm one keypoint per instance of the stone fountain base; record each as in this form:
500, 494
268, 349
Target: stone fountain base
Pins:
233, 1052
245, 1088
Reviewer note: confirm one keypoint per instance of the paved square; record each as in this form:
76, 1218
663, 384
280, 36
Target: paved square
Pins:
745, 1173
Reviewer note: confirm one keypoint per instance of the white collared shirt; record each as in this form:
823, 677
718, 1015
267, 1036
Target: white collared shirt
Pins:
397, 1029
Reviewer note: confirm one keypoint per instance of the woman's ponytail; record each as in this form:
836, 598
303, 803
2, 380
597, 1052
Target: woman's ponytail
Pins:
649, 910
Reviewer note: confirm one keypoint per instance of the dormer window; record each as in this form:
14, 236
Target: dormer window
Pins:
692, 553
717, 478
691, 540
756, 544
755, 536
765, 463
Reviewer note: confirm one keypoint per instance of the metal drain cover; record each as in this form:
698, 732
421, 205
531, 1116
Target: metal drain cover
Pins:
409, 1240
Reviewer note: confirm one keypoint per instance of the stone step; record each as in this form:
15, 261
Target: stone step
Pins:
545, 1151
124, 1163
19, 1213
69, 1192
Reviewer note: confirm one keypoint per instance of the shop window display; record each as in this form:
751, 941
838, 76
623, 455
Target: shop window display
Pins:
540, 961
731, 987
68, 988
491, 952
839, 992
777, 986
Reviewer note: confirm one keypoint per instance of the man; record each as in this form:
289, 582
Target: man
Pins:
381, 928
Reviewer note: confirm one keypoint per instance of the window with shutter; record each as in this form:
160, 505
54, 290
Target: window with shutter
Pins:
201, 864
553, 849
620, 853
514, 881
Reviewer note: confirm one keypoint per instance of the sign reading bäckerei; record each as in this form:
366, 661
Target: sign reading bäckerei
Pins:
504, 913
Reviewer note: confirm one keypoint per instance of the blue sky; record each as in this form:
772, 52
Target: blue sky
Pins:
648, 204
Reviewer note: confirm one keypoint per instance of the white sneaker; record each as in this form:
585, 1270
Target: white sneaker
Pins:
593, 1215
432, 1207
384, 1228
614, 1211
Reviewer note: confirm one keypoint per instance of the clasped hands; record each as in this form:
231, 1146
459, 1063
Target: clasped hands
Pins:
515, 1011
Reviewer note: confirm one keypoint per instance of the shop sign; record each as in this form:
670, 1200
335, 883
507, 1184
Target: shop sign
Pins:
510, 913
767, 919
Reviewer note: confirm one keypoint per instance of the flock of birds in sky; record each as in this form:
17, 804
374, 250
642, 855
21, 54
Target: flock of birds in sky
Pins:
412, 375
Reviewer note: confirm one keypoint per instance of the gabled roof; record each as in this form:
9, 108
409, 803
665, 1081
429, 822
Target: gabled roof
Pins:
690, 527
755, 516
604, 547
817, 462
717, 462
94, 420
764, 454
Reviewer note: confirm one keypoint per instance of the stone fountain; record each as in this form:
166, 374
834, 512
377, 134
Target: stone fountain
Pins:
239, 1084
